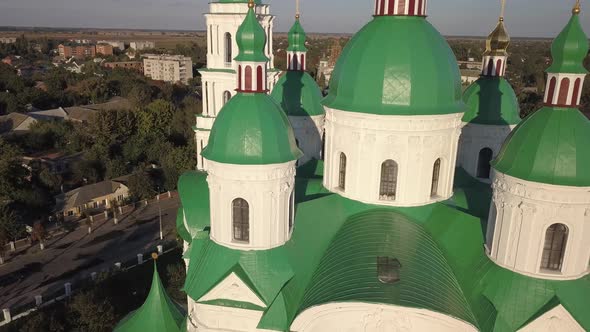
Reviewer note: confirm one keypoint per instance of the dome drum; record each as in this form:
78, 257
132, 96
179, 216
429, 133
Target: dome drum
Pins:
564, 90
410, 162
400, 8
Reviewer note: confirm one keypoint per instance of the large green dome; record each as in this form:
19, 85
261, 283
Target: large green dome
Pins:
298, 94
397, 65
252, 129
491, 101
550, 146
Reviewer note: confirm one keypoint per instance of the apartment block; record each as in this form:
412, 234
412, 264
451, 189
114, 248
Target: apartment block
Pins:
77, 51
104, 49
168, 68
142, 45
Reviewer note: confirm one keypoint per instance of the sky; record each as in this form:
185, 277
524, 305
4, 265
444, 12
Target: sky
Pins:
524, 18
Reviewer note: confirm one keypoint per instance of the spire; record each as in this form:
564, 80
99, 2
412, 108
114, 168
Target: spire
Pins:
158, 312
400, 7
252, 62
565, 76
494, 57
296, 52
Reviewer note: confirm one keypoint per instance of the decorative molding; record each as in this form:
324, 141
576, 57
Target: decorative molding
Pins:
233, 288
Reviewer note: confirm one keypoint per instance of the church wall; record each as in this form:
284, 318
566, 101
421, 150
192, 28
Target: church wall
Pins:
356, 316
413, 142
525, 210
474, 138
308, 132
556, 319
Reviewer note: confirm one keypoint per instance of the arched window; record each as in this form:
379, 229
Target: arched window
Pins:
241, 220
228, 48
483, 163
388, 185
388, 270
490, 67
259, 79
295, 62
226, 97
248, 78
291, 207
551, 90
554, 248
563, 91
576, 93
498, 67
323, 156
435, 178
302, 62
342, 172
289, 64
382, 7
240, 77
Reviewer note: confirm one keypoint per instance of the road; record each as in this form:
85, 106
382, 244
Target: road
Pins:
77, 254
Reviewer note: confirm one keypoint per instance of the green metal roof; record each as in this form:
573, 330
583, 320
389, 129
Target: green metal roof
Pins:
252, 129
569, 49
550, 146
158, 313
297, 38
251, 39
397, 65
440, 246
194, 196
491, 101
180, 228
298, 94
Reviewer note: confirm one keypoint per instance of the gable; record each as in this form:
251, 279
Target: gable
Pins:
234, 289
556, 319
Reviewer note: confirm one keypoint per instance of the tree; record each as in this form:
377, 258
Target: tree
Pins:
141, 186
12, 173
176, 275
91, 313
11, 227
140, 95
38, 233
155, 120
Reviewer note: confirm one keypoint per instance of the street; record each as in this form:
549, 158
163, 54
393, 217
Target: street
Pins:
77, 254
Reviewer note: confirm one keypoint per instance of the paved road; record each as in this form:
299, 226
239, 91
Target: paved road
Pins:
77, 254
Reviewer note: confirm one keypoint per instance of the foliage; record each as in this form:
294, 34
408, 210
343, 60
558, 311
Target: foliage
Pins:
141, 186
39, 233
11, 227
176, 275
12, 173
92, 313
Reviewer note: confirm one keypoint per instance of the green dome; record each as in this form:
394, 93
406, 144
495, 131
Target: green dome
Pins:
298, 94
491, 101
397, 65
251, 39
569, 49
550, 146
297, 38
252, 129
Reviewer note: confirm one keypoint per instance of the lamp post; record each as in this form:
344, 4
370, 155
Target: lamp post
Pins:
160, 214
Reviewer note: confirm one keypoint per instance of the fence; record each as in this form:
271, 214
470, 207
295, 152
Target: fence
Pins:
70, 287
103, 216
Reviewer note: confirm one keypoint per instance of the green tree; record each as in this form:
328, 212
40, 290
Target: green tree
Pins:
141, 186
140, 96
12, 173
176, 275
92, 313
156, 118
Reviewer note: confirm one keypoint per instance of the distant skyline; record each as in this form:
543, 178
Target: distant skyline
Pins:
524, 18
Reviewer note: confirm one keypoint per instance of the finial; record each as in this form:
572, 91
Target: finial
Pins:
297, 12
502, 10
577, 8
251, 4
154, 256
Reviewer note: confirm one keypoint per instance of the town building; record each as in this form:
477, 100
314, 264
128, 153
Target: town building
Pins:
91, 198
168, 68
57, 162
15, 123
218, 80
116, 44
104, 49
7, 40
79, 51
142, 45
131, 65
388, 232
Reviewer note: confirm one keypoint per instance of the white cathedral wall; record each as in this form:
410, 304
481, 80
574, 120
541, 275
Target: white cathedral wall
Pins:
414, 142
520, 213
474, 138
266, 188
556, 319
367, 317
308, 132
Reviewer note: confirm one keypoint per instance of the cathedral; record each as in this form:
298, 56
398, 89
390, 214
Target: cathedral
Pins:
396, 203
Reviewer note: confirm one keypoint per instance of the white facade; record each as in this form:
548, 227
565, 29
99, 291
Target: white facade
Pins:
114, 43
521, 212
414, 143
494, 65
7, 40
474, 139
219, 79
556, 319
269, 193
168, 68
142, 45
309, 131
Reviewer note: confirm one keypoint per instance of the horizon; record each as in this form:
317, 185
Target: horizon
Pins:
478, 18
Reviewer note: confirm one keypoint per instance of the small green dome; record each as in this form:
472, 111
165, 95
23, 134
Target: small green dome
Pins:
491, 101
569, 49
550, 146
297, 38
298, 94
251, 39
397, 65
252, 129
